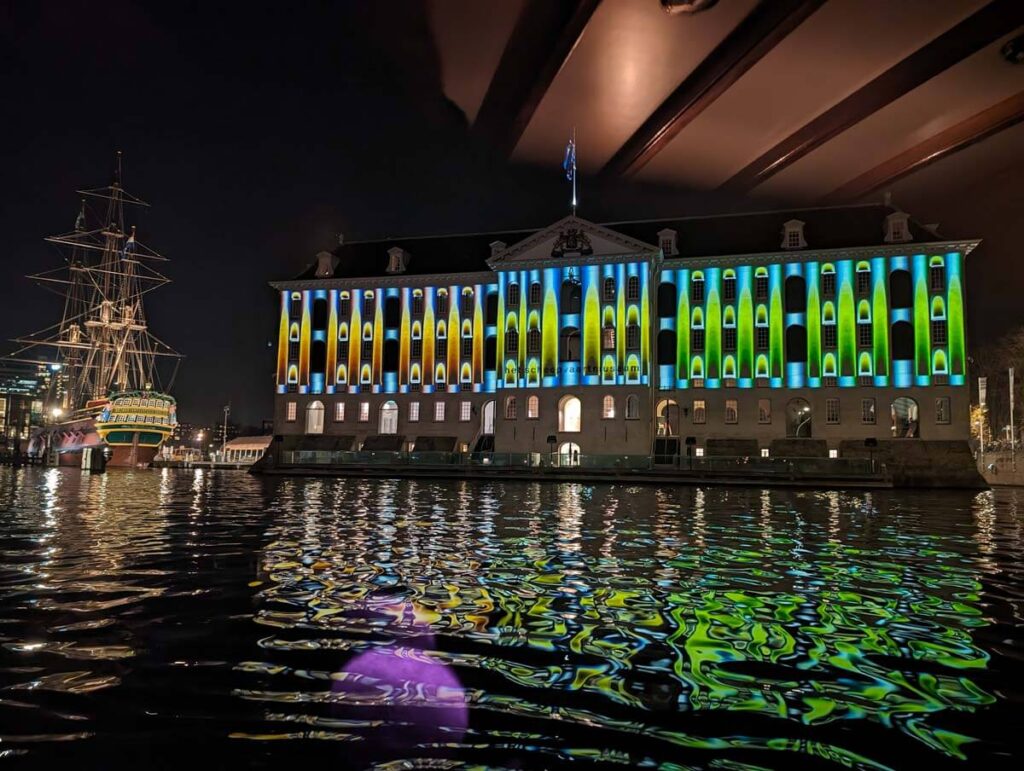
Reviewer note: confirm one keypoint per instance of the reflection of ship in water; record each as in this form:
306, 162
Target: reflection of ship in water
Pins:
107, 396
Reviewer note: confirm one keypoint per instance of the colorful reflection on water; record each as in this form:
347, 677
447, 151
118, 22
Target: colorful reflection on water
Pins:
404, 624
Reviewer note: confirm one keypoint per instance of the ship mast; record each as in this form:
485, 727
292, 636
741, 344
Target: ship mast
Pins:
103, 341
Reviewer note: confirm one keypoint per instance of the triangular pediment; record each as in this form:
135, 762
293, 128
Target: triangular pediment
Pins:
571, 238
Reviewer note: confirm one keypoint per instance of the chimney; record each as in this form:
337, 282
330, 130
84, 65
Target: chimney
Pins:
497, 247
325, 264
398, 259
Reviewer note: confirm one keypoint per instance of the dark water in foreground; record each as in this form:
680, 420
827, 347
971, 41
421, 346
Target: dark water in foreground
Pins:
157, 618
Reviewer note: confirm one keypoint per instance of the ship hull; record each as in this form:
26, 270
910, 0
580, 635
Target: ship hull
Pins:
64, 443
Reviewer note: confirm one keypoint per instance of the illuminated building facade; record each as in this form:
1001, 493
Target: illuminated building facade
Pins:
718, 335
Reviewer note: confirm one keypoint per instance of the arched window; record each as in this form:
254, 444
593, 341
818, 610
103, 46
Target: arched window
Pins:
468, 301
608, 338
902, 341
344, 305
796, 343
667, 346
901, 289
532, 408
569, 414
667, 413
608, 407
511, 343
513, 295
828, 280
697, 288
510, 408
315, 418
632, 289
633, 337
295, 305
729, 285
609, 290
936, 274
632, 407
863, 277
798, 419
796, 295
533, 342
442, 302
417, 302
535, 293
666, 300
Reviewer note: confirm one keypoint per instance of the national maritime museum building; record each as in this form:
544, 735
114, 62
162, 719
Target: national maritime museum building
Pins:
820, 333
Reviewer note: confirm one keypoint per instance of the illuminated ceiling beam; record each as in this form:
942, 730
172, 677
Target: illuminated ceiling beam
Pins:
1003, 115
544, 37
753, 38
953, 46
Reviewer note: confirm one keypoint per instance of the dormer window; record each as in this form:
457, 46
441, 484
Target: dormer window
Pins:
324, 265
793, 235
667, 241
497, 247
897, 229
398, 259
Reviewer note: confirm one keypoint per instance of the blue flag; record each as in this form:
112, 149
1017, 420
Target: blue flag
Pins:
569, 163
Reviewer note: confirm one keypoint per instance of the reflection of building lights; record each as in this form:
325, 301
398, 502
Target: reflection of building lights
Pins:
56, 412
55, 367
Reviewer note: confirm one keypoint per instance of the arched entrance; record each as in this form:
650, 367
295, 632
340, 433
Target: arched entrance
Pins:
569, 454
668, 417
388, 418
487, 419
570, 414
905, 423
798, 419
315, 418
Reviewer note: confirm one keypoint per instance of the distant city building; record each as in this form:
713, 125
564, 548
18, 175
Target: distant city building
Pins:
733, 334
24, 387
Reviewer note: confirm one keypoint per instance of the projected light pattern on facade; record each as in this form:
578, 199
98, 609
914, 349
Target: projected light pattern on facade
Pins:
882, 321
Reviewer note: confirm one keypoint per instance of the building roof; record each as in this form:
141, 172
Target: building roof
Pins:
249, 443
705, 236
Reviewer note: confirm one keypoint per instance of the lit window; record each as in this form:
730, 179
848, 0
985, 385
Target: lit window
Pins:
937, 276
438, 412
535, 294
764, 411
513, 295
417, 347
832, 411
512, 342
698, 451
863, 281
761, 287
608, 338
533, 342
833, 453
867, 411
510, 408
731, 411
417, 304
339, 412
942, 411
609, 290
414, 412
765, 452
467, 305
465, 411
293, 411
828, 284
632, 337
532, 408
632, 407
699, 412
697, 291
608, 407
442, 303
364, 412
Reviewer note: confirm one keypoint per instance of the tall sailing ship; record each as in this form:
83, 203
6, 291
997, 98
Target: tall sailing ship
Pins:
106, 396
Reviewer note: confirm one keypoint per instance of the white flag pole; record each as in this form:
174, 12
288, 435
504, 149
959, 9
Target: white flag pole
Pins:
1013, 428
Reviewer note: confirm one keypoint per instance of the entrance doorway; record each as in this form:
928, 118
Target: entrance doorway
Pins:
569, 454
388, 418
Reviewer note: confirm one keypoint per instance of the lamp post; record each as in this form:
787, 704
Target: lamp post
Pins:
224, 438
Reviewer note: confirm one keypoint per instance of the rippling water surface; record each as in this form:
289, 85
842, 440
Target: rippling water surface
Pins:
163, 617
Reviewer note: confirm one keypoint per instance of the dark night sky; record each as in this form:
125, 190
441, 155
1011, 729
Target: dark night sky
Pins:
257, 131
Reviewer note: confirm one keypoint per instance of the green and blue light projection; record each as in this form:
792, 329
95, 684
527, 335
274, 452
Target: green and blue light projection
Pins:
814, 323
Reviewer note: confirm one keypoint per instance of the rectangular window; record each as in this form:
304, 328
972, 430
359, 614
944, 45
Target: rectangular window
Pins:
534, 294
697, 291
513, 295
292, 412
417, 305
632, 337
608, 338
467, 347
729, 289
729, 338
828, 335
937, 275
417, 347
761, 287
700, 415
364, 412
939, 334
532, 408
345, 308
832, 411
697, 339
438, 412
632, 408
367, 349
942, 411
764, 411
633, 288
339, 412
368, 307
864, 335
828, 284
414, 412
762, 338
863, 281
467, 306
867, 411
732, 415
533, 342
465, 411
442, 304
608, 408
